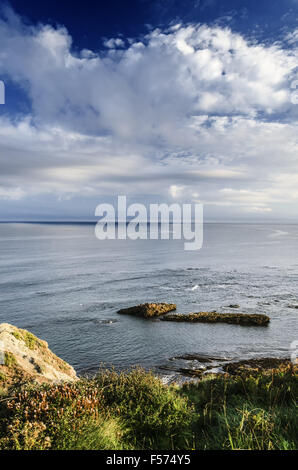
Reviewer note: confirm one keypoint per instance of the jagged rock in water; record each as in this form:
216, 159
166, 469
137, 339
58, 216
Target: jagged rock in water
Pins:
148, 310
213, 317
26, 358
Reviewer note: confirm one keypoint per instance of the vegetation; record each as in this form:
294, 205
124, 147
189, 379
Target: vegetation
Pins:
2, 377
136, 410
255, 410
30, 340
9, 359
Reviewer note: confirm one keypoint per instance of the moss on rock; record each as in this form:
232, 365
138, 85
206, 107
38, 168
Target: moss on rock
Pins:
30, 340
9, 359
148, 310
214, 317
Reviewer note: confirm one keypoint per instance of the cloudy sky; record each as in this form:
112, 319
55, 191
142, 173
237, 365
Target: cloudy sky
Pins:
159, 100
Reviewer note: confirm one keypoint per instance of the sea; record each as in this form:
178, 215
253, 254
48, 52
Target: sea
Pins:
64, 285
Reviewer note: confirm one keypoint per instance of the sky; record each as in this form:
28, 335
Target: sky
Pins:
159, 100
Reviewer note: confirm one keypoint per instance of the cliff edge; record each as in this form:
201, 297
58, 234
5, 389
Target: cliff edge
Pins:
26, 358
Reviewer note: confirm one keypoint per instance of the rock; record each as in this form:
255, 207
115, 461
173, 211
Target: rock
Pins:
241, 368
192, 372
255, 365
211, 317
26, 358
148, 310
199, 358
189, 372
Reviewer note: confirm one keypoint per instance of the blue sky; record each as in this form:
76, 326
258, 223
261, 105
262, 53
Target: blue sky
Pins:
163, 100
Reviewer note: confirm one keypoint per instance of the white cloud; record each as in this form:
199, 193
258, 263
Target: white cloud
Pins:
171, 75
259, 210
113, 43
7, 193
292, 37
195, 110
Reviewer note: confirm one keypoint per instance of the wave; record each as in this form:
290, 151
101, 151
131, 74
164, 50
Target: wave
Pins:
196, 287
278, 233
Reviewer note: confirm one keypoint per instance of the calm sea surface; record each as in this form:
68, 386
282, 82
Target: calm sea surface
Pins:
64, 285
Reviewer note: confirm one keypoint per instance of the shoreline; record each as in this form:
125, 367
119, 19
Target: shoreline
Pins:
180, 375
46, 405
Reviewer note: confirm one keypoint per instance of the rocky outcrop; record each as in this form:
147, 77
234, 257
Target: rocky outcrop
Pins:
213, 317
245, 367
256, 365
148, 310
26, 358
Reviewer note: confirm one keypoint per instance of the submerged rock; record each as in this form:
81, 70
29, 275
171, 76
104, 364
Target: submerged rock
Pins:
199, 358
26, 358
213, 317
148, 310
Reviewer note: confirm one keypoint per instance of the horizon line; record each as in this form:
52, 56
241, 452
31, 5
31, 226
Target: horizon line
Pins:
94, 222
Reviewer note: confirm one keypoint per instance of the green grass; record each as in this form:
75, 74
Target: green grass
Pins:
9, 359
2, 377
255, 412
136, 411
29, 339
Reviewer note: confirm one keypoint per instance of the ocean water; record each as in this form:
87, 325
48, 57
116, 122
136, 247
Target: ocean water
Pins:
64, 285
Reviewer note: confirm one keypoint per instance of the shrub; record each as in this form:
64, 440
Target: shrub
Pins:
122, 411
158, 416
29, 339
137, 411
50, 416
9, 359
